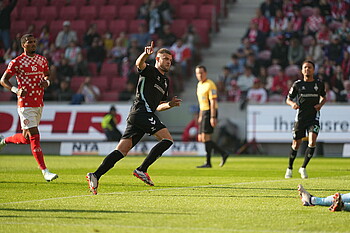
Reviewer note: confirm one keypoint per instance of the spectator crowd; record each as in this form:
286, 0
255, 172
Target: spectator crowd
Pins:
281, 35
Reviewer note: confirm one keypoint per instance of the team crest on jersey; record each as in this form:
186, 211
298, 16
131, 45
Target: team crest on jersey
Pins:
303, 88
40, 62
316, 87
158, 78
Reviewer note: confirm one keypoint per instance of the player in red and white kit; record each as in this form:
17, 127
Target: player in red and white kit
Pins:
32, 73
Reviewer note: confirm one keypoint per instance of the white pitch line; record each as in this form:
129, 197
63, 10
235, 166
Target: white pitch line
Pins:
154, 190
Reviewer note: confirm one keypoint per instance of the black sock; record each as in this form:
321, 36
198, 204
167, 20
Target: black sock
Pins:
292, 156
218, 149
154, 154
308, 155
108, 163
208, 149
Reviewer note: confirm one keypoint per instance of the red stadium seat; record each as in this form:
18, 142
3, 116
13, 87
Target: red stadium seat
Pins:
109, 69
108, 12
38, 26
76, 82
134, 25
80, 27
117, 26
39, 3
128, 12
55, 27
92, 68
6, 95
197, 3
15, 14
87, 13
78, 3
29, 13
109, 96
178, 27
202, 27
68, 13
102, 82
187, 12
101, 26
48, 13
18, 26
118, 83
207, 12
99, 3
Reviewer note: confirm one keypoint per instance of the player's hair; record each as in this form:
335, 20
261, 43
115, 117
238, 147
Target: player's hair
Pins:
202, 67
25, 37
164, 50
308, 61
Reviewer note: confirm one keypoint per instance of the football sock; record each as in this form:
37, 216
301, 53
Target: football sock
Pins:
108, 163
217, 148
208, 149
292, 156
36, 150
323, 201
155, 153
308, 155
17, 139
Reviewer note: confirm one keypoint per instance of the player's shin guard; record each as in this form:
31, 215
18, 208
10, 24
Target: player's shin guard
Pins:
17, 139
155, 153
308, 155
108, 163
208, 149
292, 156
36, 150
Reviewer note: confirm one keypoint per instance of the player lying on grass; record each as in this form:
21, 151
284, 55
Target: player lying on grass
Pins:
336, 202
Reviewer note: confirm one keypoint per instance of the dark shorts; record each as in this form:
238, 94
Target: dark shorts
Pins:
300, 129
205, 126
140, 123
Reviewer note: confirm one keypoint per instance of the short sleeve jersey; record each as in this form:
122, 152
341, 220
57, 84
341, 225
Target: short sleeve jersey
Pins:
152, 89
29, 72
307, 95
206, 91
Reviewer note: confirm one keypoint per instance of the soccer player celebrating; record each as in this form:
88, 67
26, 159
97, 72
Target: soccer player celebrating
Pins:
207, 120
32, 73
151, 95
310, 97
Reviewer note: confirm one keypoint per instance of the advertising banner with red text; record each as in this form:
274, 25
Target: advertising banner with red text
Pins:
64, 122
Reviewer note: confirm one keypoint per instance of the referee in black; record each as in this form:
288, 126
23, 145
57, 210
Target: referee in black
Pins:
309, 95
151, 95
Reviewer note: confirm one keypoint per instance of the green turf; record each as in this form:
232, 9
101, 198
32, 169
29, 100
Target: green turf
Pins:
249, 194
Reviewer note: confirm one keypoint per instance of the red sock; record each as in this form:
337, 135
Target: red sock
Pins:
36, 150
17, 139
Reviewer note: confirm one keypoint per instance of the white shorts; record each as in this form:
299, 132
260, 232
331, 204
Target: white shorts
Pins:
30, 117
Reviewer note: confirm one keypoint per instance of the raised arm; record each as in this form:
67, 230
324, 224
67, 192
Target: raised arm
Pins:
141, 60
174, 102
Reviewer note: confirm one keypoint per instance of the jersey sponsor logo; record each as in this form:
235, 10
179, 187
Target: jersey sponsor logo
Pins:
309, 95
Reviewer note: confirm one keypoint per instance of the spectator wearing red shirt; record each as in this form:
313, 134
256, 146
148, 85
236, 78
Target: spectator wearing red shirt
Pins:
340, 9
314, 22
262, 22
280, 84
32, 74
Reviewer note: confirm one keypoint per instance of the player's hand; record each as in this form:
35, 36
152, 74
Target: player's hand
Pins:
213, 122
44, 83
149, 49
175, 102
318, 107
295, 106
22, 92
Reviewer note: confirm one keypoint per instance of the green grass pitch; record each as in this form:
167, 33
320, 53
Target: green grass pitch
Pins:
249, 194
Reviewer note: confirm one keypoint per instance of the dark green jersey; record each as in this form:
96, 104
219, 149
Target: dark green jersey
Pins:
307, 95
